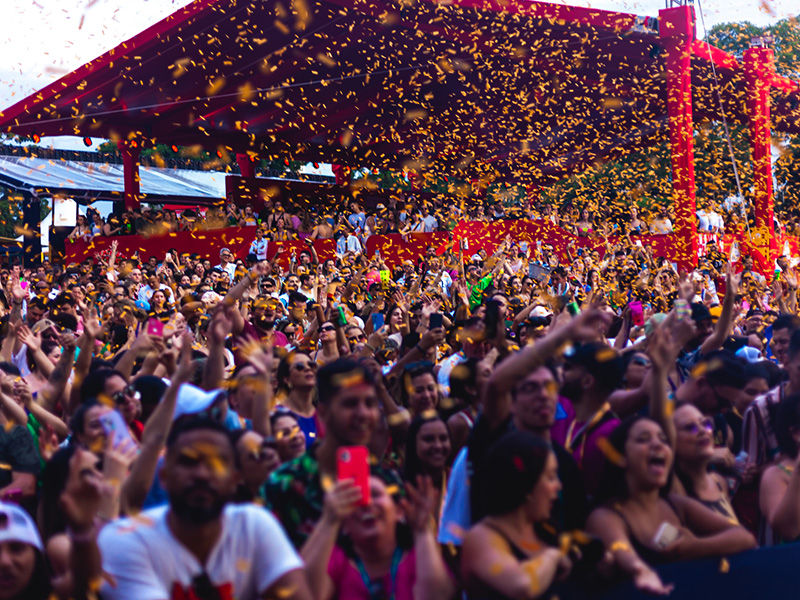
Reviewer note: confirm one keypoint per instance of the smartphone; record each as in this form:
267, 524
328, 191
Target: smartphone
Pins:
637, 314
665, 535
342, 316
114, 426
436, 321
155, 327
352, 462
377, 321
682, 309
573, 308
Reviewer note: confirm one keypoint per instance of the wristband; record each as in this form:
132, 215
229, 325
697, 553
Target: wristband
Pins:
420, 348
83, 538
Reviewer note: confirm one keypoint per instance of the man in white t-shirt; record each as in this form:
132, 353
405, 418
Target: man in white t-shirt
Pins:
200, 546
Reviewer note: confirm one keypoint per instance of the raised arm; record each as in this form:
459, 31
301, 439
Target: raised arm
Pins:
717, 338
496, 399
156, 429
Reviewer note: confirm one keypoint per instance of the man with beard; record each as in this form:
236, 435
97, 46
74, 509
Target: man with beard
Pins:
591, 372
350, 409
200, 546
262, 323
522, 395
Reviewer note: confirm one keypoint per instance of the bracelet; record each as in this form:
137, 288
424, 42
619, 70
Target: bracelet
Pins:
83, 538
420, 348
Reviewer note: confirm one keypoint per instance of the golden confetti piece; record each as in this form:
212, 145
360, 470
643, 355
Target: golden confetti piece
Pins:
242, 565
724, 566
610, 452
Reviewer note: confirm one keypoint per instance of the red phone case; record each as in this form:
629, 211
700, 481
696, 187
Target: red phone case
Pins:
352, 462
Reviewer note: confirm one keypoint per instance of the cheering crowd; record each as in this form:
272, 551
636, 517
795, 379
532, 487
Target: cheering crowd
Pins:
177, 428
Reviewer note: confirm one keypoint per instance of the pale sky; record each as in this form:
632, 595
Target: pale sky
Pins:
42, 40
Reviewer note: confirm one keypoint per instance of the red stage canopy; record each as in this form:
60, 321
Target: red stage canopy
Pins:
513, 88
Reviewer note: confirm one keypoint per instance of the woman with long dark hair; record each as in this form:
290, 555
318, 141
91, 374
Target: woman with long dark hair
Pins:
297, 385
779, 491
502, 555
428, 454
641, 523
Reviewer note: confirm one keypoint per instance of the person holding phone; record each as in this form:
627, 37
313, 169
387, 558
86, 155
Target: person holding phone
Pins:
349, 408
641, 523
388, 549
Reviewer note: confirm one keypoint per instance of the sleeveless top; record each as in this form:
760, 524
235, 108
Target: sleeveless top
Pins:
722, 506
486, 592
651, 556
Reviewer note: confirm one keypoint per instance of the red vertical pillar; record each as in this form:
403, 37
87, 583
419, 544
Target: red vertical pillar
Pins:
130, 165
246, 166
759, 71
676, 29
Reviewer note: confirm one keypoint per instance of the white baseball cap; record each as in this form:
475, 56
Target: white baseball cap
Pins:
192, 400
17, 526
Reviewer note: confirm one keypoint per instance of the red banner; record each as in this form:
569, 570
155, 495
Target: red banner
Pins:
396, 248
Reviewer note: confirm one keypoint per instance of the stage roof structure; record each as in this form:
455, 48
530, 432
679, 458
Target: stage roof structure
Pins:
510, 88
100, 181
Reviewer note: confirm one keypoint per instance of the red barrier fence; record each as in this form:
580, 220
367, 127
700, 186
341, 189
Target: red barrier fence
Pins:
395, 248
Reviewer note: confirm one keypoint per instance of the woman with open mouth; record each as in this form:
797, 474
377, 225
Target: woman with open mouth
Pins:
641, 523
388, 550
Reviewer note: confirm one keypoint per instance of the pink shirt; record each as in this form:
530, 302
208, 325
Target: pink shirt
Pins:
349, 585
591, 460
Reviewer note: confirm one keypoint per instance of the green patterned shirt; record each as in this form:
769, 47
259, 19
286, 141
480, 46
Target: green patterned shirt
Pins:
295, 494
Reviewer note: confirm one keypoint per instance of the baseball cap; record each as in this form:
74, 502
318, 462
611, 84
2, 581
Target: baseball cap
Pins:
17, 526
541, 311
750, 354
192, 400
43, 325
700, 312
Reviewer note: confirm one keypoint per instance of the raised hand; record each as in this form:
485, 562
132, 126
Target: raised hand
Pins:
32, 340
185, 367
419, 504
340, 501
22, 392
80, 501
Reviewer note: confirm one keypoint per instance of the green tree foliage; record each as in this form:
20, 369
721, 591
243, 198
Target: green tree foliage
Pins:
643, 178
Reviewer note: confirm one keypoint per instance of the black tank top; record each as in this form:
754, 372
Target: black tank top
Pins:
487, 593
651, 556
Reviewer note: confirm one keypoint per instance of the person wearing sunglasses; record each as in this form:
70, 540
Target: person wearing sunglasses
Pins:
356, 338
327, 350
694, 450
297, 383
